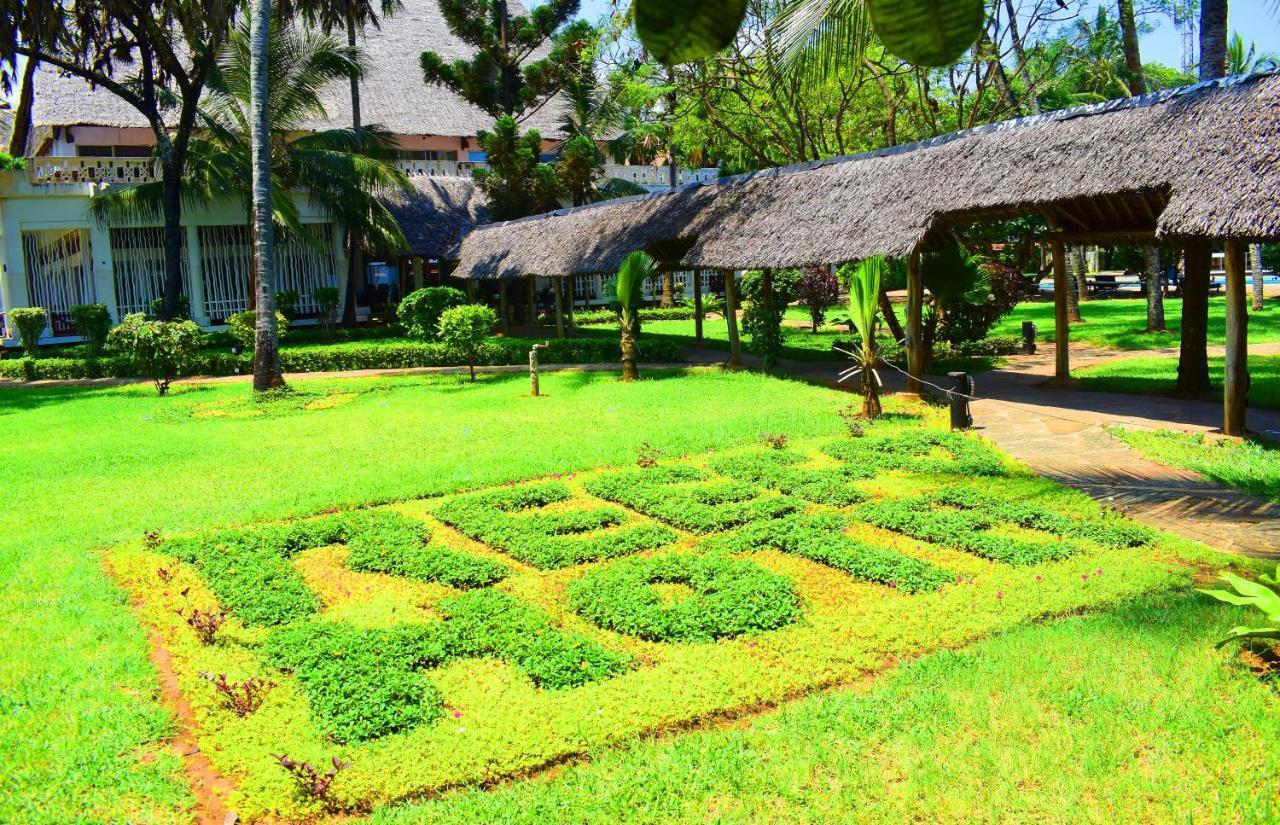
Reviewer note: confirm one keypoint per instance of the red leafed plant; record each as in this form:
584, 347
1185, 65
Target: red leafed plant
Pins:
310, 781
205, 623
241, 698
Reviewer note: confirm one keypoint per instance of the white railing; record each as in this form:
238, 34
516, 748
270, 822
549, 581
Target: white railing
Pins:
658, 177
51, 170
439, 168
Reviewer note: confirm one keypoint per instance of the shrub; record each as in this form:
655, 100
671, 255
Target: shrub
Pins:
243, 327
821, 539
729, 598
30, 323
380, 541
205, 623
548, 540
8, 161
667, 494
160, 350
93, 324
463, 331
327, 298
241, 698
774, 470
607, 317
420, 311
818, 290
970, 320
182, 312
287, 306
764, 326
311, 783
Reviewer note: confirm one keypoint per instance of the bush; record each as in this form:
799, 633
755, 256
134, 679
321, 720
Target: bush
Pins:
93, 324
822, 539
463, 331
764, 327
421, 309
818, 290
243, 327
966, 320
604, 317
287, 306
668, 494
8, 161
181, 313
548, 540
730, 597
30, 323
160, 350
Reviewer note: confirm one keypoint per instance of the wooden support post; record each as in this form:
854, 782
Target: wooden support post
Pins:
559, 302
1193, 358
570, 288
504, 309
1062, 291
470, 288
731, 318
531, 296
915, 323
417, 273
697, 305
1235, 379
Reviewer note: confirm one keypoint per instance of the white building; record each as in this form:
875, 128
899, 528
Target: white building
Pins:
53, 254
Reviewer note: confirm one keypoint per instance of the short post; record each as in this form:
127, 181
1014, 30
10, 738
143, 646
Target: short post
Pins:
1028, 338
533, 368
962, 388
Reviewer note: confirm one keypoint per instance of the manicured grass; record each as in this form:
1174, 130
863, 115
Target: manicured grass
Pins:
1121, 323
798, 343
1127, 716
88, 468
1159, 375
1250, 466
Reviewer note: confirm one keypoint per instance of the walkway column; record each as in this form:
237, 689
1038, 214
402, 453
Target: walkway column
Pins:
731, 318
504, 309
1061, 321
1193, 359
1235, 380
915, 323
697, 305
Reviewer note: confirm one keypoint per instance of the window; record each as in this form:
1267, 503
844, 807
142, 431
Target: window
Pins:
477, 157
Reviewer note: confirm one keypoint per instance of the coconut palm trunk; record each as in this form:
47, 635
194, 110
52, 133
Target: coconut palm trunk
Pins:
266, 354
20, 131
355, 246
1153, 265
1213, 39
1073, 292
1255, 261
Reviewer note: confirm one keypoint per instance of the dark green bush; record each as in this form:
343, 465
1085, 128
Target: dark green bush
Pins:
548, 540
380, 541
243, 327
774, 470
606, 317
93, 323
30, 323
671, 494
730, 597
421, 309
821, 538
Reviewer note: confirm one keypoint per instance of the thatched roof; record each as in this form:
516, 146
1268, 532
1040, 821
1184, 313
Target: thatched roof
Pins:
436, 215
392, 92
1203, 160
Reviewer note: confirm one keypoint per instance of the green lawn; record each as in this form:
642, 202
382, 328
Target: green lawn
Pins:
1128, 716
1158, 375
92, 467
1250, 466
1121, 323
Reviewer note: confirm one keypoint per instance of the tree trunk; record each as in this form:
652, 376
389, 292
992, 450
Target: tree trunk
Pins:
171, 183
1132, 54
1235, 371
1255, 255
1019, 50
1081, 273
668, 288
890, 317
266, 355
355, 244
1155, 290
1193, 359
1213, 39
20, 131
871, 408
630, 371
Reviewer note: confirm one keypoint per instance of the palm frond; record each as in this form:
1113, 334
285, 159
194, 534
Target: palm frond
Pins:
630, 283
816, 39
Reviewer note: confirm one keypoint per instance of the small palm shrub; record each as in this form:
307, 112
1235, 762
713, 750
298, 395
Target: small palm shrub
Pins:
30, 323
160, 350
1252, 594
93, 323
463, 330
421, 310
635, 268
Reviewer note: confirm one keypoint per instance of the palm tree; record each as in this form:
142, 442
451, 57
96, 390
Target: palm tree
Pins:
1213, 39
864, 307
635, 268
1247, 60
266, 354
351, 16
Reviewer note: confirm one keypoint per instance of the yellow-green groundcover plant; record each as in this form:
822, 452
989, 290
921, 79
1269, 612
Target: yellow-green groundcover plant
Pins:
402, 642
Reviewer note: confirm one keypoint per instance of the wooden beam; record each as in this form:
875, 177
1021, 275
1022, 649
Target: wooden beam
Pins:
1103, 237
1235, 379
731, 318
915, 322
1061, 327
697, 305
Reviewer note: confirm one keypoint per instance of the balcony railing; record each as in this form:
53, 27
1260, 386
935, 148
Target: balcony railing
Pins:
73, 170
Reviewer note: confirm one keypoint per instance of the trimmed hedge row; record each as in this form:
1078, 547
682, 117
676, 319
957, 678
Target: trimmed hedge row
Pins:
773, 470
916, 451
665, 493
730, 597
362, 682
963, 519
352, 356
548, 540
821, 538
599, 317
248, 569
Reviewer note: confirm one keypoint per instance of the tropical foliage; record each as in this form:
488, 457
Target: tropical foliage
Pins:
635, 269
1252, 594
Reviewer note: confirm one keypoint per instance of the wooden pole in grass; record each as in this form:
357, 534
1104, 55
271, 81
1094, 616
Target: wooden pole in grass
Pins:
1061, 320
915, 323
731, 318
697, 305
1235, 379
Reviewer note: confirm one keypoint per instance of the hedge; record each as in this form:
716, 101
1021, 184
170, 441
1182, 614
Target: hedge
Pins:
599, 317
665, 493
348, 356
